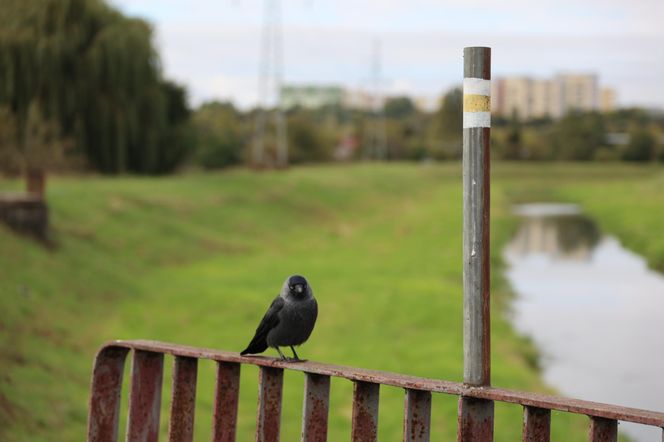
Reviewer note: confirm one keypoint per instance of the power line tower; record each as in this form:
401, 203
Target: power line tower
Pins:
376, 141
269, 110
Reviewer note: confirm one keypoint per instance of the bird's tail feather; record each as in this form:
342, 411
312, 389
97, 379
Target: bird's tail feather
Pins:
255, 347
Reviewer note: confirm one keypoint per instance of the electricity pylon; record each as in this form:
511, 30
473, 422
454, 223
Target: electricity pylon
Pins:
269, 89
376, 141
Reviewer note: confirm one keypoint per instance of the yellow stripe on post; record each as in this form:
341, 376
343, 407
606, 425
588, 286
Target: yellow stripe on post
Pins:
476, 103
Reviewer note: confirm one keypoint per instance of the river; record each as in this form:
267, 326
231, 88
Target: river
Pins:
593, 308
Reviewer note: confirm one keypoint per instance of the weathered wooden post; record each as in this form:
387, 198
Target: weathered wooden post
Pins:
475, 418
35, 179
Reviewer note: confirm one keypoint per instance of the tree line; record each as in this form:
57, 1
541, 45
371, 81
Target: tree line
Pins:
634, 135
78, 80
336, 133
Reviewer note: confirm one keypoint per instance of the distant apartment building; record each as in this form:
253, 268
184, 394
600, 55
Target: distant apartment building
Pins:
362, 100
607, 99
544, 98
426, 103
578, 92
311, 96
314, 96
513, 96
536, 98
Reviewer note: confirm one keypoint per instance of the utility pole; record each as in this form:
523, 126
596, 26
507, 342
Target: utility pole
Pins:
269, 90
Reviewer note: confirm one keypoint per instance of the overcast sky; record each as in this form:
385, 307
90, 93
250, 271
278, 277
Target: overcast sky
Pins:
213, 46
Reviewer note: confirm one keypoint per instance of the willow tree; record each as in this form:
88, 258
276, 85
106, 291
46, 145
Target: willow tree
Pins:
97, 74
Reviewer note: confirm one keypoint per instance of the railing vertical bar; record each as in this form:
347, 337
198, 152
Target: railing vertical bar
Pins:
417, 416
145, 396
105, 393
475, 420
183, 399
227, 392
315, 409
536, 424
270, 387
365, 412
603, 430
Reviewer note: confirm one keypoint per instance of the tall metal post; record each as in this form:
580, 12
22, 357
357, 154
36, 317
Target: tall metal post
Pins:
476, 416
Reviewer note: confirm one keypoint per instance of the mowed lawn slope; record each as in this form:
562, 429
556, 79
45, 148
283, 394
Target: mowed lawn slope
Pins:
196, 259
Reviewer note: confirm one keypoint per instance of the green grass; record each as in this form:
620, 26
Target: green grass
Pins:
196, 259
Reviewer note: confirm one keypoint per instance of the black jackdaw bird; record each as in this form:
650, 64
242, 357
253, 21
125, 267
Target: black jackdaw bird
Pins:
289, 320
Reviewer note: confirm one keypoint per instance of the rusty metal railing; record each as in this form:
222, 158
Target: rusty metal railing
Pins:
146, 385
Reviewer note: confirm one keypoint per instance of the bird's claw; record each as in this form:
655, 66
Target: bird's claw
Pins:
288, 359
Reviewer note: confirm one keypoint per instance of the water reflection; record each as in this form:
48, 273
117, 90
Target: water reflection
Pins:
594, 309
558, 230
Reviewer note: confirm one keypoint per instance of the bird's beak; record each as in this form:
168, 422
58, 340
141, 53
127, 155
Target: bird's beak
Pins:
299, 288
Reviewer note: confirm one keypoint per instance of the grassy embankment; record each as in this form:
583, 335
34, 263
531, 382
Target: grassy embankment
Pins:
195, 259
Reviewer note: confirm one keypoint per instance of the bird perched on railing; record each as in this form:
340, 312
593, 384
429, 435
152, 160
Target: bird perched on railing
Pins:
289, 321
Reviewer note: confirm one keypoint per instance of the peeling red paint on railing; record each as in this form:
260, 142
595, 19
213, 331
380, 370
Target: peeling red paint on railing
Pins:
145, 396
227, 395
270, 386
417, 416
183, 399
474, 420
365, 412
603, 430
104, 406
536, 424
316, 407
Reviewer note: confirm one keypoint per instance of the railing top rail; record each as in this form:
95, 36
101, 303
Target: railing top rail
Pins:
589, 408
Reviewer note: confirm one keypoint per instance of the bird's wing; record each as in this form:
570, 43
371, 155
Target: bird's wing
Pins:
259, 342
